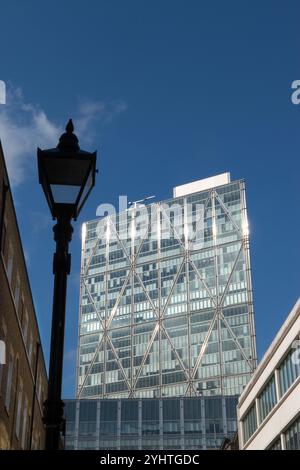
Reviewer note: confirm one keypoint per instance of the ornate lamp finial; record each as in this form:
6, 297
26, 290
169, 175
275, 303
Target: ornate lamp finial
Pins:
70, 127
68, 140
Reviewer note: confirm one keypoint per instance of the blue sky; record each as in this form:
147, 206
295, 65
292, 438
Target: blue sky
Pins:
167, 92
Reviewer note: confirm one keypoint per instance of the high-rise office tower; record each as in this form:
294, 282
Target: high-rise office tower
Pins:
166, 299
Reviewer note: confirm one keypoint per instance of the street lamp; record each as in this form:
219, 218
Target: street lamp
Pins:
67, 176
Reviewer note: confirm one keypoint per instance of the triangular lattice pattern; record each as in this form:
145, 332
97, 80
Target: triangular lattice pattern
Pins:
167, 316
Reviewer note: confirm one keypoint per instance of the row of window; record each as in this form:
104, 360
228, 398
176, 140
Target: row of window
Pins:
195, 286
287, 372
15, 284
12, 390
171, 244
169, 237
97, 264
232, 386
147, 428
291, 438
11, 385
168, 413
179, 295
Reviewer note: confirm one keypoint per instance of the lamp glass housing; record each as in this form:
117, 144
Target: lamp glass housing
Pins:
67, 178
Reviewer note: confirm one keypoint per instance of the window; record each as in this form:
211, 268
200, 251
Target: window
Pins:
25, 418
108, 417
249, 423
39, 389
9, 263
87, 417
30, 345
276, 445
267, 399
21, 310
171, 410
4, 241
25, 327
70, 416
150, 417
38, 441
9, 382
19, 409
288, 372
192, 416
171, 416
292, 436
213, 408
129, 410
129, 417
2, 360
17, 291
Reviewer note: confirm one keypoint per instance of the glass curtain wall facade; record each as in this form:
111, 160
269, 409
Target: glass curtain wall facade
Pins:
163, 315
163, 423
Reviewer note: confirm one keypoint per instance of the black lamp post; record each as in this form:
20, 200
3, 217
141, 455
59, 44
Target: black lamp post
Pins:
67, 176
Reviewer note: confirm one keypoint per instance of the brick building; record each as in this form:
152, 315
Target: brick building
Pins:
23, 377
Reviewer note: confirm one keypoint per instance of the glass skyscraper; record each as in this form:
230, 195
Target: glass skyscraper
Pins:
166, 299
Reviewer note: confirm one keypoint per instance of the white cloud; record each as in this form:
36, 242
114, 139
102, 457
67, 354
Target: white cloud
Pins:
24, 127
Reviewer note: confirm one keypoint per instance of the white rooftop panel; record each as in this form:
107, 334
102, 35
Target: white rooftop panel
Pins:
201, 185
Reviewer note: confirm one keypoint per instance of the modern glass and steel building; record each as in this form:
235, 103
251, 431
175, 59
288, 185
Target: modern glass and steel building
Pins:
166, 299
160, 424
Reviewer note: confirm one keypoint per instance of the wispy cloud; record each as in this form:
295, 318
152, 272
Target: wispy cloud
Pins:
39, 221
92, 112
71, 355
25, 126
27, 257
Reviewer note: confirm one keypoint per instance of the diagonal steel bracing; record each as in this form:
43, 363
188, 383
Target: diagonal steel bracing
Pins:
133, 278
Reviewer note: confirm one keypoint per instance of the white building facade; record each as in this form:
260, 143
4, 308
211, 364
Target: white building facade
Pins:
269, 407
